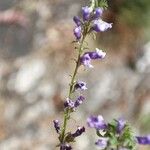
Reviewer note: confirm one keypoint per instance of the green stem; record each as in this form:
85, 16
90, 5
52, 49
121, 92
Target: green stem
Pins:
71, 89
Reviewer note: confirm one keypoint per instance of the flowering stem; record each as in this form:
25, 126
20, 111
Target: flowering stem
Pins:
71, 89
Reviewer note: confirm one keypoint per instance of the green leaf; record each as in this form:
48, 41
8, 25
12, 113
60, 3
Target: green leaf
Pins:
69, 138
98, 3
128, 139
101, 3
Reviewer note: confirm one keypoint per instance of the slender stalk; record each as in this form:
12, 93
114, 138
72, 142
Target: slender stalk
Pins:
71, 89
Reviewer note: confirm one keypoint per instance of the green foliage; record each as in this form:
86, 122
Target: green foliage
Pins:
99, 3
102, 3
125, 139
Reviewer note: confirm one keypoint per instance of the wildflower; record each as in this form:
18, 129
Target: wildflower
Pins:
78, 32
79, 101
145, 140
98, 12
78, 132
77, 20
80, 85
96, 122
56, 125
88, 56
120, 125
86, 61
86, 12
65, 147
102, 143
69, 104
101, 26
97, 54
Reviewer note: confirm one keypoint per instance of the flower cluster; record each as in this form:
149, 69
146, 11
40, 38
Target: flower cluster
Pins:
72, 105
114, 135
91, 17
89, 22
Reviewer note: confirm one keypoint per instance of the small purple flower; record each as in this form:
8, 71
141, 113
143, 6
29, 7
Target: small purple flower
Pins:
98, 12
101, 26
65, 147
86, 61
96, 122
79, 101
120, 125
80, 85
88, 56
78, 32
145, 140
77, 20
86, 12
57, 125
102, 143
97, 54
78, 132
69, 104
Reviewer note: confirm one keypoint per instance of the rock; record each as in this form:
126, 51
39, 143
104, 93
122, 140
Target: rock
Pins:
35, 112
143, 64
29, 75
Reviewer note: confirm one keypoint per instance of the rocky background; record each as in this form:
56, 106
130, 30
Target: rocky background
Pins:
36, 60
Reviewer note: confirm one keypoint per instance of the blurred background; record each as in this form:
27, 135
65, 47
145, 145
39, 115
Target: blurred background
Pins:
35, 64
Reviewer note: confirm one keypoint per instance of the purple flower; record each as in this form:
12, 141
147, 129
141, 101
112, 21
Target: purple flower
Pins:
78, 132
145, 140
57, 125
97, 54
101, 26
65, 147
102, 143
80, 85
78, 32
88, 56
96, 122
69, 104
79, 101
86, 12
120, 125
98, 12
77, 20
86, 61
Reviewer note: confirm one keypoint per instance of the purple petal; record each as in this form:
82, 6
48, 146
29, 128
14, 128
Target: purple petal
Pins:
96, 122
78, 32
86, 61
102, 143
69, 104
98, 12
97, 54
145, 140
86, 12
57, 125
79, 101
78, 132
120, 125
77, 20
80, 85
101, 26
